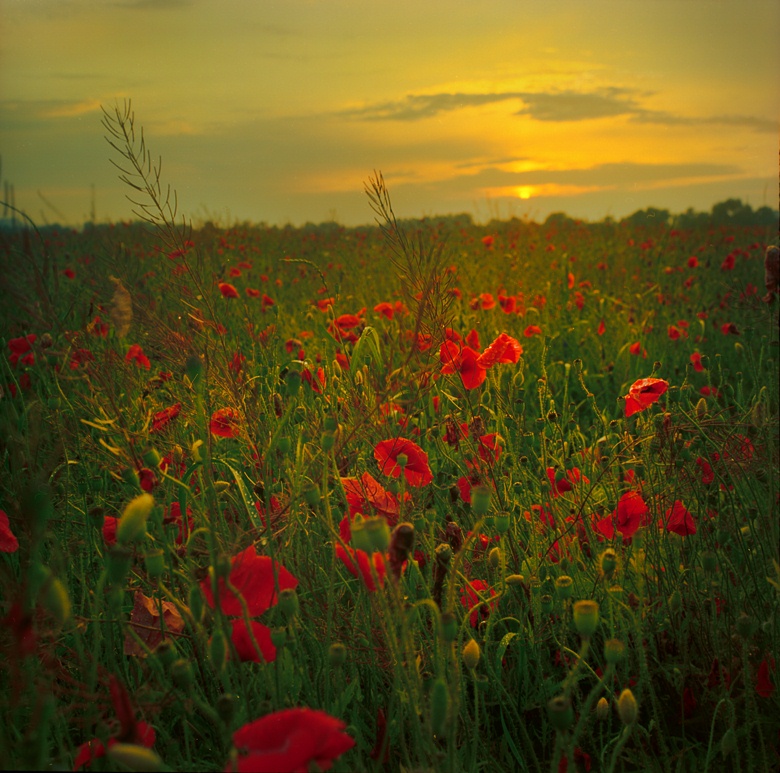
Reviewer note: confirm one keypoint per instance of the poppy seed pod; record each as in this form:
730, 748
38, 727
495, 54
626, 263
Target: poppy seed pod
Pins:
471, 654
560, 712
614, 651
288, 602
480, 500
628, 711
608, 562
564, 586
337, 654
586, 618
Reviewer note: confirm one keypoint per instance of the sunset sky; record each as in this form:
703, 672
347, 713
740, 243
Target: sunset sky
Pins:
279, 110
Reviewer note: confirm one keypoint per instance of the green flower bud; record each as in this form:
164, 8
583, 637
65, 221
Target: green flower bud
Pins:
471, 654
155, 563
337, 655
182, 674
132, 524
628, 711
288, 602
226, 707
602, 709
378, 531
195, 603
614, 651
502, 522
218, 651
448, 627
152, 458
494, 558
560, 712
728, 743
279, 637
608, 563
327, 441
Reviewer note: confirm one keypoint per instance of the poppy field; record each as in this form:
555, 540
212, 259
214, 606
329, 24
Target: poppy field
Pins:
423, 496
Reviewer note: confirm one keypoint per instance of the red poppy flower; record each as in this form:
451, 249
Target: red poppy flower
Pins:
462, 361
728, 262
245, 646
693, 261
8, 542
252, 292
471, 600
227, 290
385, 309
764, 686
290, 740
161, 419
532, 330
366, 495
316, 380
508, 303
729, 328
602, 328
268, 301
22, 347
136, 354
679, 520
643, 393
417, 471
235, 271
696, 362
487, 240
358, 563
570, 280
707, 473
503, 349
637, 350
224, 423
173, 516
630, 514
253, 577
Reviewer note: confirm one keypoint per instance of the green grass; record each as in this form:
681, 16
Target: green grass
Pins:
688, 624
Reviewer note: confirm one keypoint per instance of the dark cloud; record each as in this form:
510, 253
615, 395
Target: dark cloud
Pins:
552, 106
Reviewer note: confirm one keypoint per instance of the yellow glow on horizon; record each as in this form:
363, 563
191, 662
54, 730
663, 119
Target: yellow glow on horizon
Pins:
524, 192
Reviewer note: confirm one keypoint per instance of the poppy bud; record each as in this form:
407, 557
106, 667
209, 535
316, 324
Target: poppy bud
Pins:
155, 563
564, 586
480, 500
311, 495
130, 476
337, 654
709, 562
586, 618
471, 654
701, 408
57, 601
118, 563
608, 562
221, 486
448, 627
602, 709
327, 441
402, 460
226, 707
628, 711
440, 704
614, 651
218, 651
728, 743
360, 539
182, 674
494, 558
560, 712
288, 602
132, 524
330, 424
284, 445
165, 652
443, 554
152, 458
177, 454
279, 637
135, 757
401, 542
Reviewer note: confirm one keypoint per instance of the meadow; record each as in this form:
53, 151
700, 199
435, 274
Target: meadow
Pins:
421, 496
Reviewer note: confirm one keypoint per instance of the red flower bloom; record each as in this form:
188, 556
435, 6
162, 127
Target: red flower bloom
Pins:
358, 563
253, 577
462, 360
602, 328
224, 423
252, 293
637, 350
643, 393
173, 516
503, 349
532, 330
696, 362
22, 347
487, 241
630, 514
136, 354
471, 599
161, 419
8, 542
728, 262
693, 261
289, 741
417, 471
245, 646
679, 520
729, 328
227, 290
366, 495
